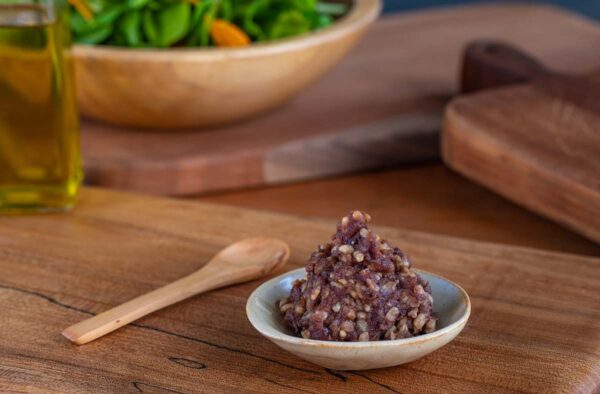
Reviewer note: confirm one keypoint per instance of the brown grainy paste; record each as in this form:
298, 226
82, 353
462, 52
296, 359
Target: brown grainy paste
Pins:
359, 288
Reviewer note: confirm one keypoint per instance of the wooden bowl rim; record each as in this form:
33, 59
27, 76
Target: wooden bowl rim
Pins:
362, 13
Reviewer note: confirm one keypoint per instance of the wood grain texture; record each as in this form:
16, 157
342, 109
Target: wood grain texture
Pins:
243, 261
402, 73
428, 197
58, 269
537, 143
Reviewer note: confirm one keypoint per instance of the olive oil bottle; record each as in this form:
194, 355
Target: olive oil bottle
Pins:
40, 167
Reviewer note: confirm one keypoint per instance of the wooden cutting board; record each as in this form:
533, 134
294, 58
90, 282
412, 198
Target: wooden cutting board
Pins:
381, 107
536, 143
535, 323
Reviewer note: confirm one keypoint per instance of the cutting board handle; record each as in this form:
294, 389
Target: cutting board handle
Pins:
489, 64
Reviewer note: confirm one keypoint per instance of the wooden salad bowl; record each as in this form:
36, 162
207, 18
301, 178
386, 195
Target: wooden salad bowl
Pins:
187, 87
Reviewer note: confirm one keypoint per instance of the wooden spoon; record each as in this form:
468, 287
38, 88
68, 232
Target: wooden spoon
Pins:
242, 261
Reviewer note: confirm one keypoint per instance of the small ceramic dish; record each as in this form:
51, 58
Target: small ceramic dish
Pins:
451, 304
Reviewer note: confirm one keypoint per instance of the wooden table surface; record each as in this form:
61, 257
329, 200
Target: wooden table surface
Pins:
426, 197
56, 270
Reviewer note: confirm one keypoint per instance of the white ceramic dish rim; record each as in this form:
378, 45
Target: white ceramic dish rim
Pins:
362, 13
379, 344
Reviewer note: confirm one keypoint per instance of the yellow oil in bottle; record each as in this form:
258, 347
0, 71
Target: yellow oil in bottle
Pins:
40, 166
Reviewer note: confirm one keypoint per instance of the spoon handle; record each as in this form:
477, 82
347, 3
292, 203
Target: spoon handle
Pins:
112, 319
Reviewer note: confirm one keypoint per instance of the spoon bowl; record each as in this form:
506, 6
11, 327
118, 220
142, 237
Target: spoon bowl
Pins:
451, 304
245, 260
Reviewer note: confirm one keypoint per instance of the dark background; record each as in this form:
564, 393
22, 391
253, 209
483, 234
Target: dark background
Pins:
590, 8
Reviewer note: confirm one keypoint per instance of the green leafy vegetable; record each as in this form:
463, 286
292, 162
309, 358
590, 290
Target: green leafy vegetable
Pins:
289, 23
149, 26
130, 25
173, 23
166, 23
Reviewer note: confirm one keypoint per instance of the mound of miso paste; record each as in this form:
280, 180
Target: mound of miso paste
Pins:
359, 288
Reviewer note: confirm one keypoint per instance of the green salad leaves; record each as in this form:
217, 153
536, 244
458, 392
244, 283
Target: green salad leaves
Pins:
167, 23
